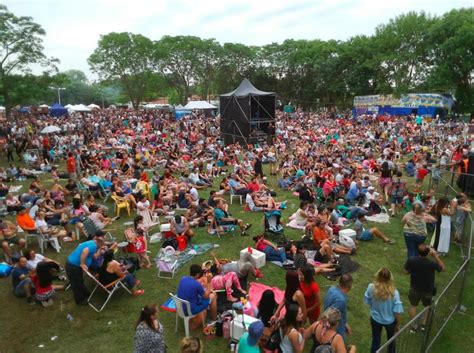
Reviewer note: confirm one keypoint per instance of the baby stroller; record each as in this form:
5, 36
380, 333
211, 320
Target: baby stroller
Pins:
273, 227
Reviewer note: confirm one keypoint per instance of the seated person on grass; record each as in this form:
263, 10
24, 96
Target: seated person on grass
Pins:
197, 290
222, 218
242, 267
225, 281
21, 281
367, 234
263, 203
323, 243
8, 234
300, 260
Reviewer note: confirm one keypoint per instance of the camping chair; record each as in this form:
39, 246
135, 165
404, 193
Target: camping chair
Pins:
44, 239
109, 289
120, 203
180, 313
83, 189
90, 229
221, 229
30, 234
149, 221
144, 188
105, 192
233, 194
167, 268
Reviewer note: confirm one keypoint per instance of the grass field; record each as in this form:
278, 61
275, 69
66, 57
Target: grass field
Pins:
23, 328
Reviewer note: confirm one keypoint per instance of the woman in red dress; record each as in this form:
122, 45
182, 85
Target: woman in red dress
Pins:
310, 290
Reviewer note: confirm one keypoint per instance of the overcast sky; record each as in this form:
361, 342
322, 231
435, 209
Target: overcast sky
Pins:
74, 27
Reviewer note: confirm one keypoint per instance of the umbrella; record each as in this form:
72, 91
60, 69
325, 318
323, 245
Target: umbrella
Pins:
50, 128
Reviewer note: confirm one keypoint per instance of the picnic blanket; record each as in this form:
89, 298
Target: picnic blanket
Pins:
186, 255
379, 218
256, 290
14, 188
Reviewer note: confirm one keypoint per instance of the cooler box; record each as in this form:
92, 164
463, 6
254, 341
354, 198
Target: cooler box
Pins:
348, 233
236, 326
257, 259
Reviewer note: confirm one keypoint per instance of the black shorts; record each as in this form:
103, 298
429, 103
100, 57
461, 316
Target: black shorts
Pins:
415, 296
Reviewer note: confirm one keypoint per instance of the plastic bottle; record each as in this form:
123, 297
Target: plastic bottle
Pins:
69, 317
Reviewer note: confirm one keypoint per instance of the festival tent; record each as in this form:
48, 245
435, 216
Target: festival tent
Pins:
247, 114
80, 108
93, 106
68, 106
43, 106
24, 110
57, 110
2, 109
199, 105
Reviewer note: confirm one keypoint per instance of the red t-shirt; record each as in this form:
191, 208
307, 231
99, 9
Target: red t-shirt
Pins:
310, 293
71, 165
253, 186
38, 288
422, 173
140, 245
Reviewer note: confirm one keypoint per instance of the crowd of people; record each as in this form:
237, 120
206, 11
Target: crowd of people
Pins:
342, 170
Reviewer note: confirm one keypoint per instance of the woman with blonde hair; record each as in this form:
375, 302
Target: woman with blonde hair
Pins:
385, 307
191, 345
325, 334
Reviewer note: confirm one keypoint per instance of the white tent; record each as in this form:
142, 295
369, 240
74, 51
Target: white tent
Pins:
93, 106
199, 105
69, 106
80, 108
2, 108
43, 106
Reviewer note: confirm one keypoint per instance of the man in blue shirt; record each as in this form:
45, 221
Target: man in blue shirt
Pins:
355, 194
197, 290
78, 262
236, 186
21, 281
336, 297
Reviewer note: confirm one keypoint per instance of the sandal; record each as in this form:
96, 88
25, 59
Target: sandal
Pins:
139, 292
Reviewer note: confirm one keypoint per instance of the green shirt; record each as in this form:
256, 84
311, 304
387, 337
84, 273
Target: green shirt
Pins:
244, 346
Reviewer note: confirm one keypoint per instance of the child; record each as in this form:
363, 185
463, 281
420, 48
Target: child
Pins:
141, 247
420, 176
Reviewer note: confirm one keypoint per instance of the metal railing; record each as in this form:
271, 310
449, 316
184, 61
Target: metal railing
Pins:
432, 320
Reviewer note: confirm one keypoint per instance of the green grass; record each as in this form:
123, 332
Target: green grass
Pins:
23, 328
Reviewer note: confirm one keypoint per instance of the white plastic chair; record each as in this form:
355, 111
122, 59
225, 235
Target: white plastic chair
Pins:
233, 194
109, 289
44, 239
180, 313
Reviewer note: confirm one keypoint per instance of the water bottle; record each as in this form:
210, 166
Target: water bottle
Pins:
69, 317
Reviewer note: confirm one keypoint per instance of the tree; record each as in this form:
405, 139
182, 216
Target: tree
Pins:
452, 39
178, 61
128, 57
20, 46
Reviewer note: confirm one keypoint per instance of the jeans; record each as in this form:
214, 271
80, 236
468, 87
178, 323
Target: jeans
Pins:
75, 276
377, 335
130, 280
412, 241
275, 255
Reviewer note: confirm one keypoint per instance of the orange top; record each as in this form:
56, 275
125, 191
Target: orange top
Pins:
25, 221
319, 235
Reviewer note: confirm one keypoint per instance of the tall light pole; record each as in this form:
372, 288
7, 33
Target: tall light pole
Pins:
59, 89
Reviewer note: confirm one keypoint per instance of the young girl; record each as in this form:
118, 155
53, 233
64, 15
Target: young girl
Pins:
141, 246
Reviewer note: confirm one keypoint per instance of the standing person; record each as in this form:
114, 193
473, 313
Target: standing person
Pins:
385, 308
149, 332
385, 181
397, 193
442, 235
325, 334
461, 208
311, 294
336, 297
292, 341
422, 279
414, 229
71, 166
293, 295
257, 166
78, 262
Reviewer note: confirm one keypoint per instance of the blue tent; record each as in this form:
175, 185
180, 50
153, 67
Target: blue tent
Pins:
24, 110
57, 110
182, 112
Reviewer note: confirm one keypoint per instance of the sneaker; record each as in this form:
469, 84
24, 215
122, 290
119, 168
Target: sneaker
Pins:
247, 226
413, 330
211, 231
31, 300
391, 241
44, 303
287, 262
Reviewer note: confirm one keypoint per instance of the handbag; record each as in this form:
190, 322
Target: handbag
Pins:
273, 342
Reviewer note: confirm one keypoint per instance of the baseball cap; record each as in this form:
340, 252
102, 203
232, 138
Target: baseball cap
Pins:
255, 332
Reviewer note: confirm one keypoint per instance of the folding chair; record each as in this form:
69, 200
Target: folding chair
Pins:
149, 221
109, 289
31, 235
181, 313
105, 192
83, 189
221, 229
44, 239
91, 229
166, 269
233, 194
